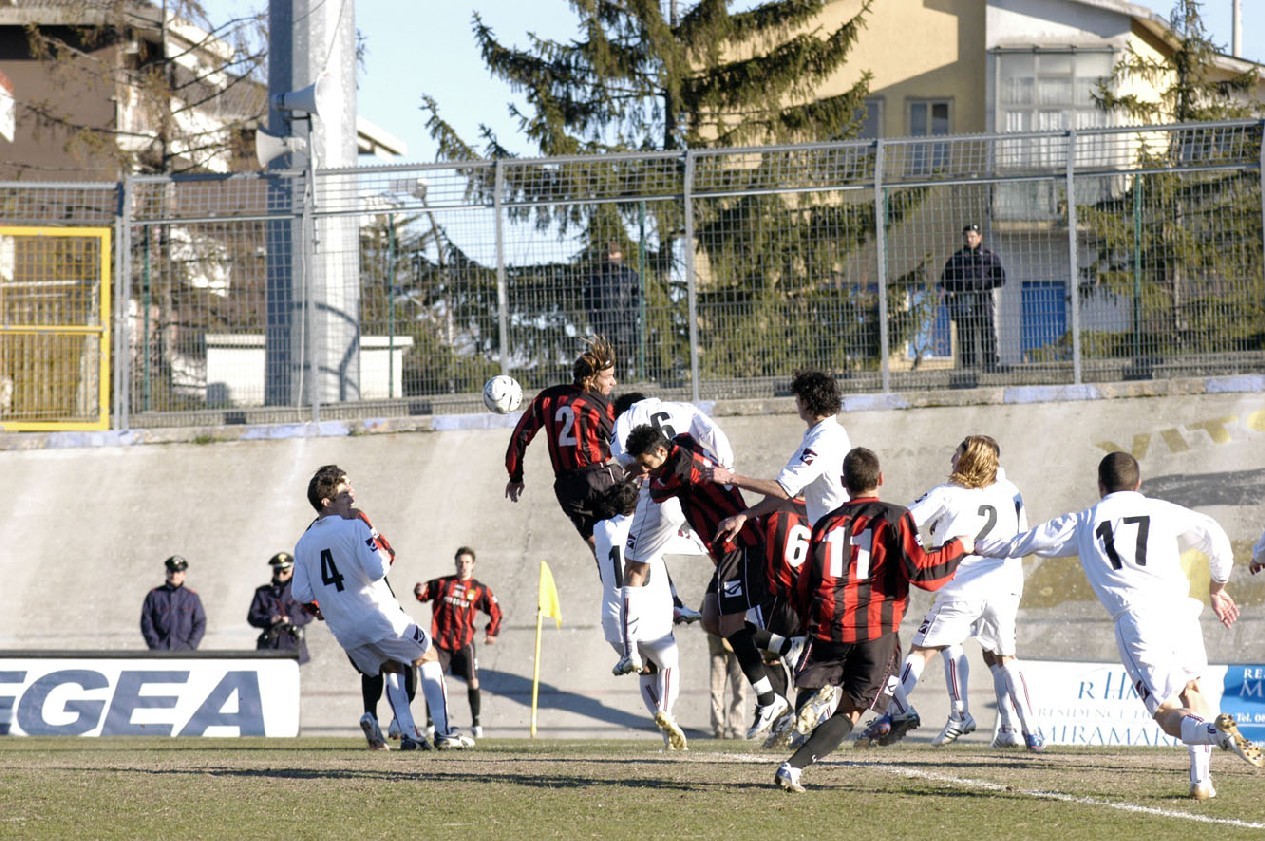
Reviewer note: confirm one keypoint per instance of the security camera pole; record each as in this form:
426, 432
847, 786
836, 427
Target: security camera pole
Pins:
312, 335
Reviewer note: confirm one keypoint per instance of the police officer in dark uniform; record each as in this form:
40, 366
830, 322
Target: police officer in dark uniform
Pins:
276, 612
172, 618
612, 298
969, 278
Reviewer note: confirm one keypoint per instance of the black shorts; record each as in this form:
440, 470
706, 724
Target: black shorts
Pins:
463, 661
780, 617
739, 582
578, 492
865, 671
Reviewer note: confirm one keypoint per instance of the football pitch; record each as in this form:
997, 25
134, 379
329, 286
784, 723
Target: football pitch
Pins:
336, 788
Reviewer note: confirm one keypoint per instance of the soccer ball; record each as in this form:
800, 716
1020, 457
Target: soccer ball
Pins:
502, 394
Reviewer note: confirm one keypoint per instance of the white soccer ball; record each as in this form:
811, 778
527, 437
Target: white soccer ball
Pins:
502, 394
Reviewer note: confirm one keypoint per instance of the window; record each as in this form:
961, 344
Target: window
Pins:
871, 117
928, 118
1042, 90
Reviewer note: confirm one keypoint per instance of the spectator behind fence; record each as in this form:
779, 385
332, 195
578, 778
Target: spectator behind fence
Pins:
275, 611
612, 299
172, 618
969, 278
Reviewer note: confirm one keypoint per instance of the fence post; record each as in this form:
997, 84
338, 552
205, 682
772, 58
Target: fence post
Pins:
308, 261
691, 279
1073, 257
122, 366
1260, 174
502, 290
880, 245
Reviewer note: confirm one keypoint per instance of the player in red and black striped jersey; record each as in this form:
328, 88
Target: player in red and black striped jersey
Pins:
852, 594
577, 420
787, 534
457, 599
679, 468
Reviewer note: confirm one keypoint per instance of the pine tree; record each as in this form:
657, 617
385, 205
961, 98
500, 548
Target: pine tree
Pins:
1185, 246
641, 78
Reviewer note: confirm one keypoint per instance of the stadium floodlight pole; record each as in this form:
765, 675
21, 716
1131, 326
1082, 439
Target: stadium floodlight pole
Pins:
311, 70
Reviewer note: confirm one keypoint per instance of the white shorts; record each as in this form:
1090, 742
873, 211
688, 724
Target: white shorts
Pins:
1162, 650
406, 649
663, 651
656, 616
952, 621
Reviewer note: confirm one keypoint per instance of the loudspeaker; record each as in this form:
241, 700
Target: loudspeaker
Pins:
269, 147
303, 100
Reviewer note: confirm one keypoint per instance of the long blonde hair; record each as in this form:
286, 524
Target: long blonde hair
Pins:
978, 457
599, 356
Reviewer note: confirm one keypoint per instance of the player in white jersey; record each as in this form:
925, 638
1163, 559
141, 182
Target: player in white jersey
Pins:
815, 469
982, 600
638, 620
659, 524
813, 473
340, 565
659, 527
1129, 549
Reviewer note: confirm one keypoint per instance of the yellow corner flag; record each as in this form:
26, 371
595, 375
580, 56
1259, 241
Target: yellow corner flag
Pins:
546, 605
547, 601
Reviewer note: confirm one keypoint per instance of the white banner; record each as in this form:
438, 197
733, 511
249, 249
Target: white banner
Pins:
160, 696
1079, 703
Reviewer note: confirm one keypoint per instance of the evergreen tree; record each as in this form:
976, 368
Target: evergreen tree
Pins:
642, 78
1183, 241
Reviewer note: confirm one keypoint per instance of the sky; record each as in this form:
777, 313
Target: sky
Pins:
417, 47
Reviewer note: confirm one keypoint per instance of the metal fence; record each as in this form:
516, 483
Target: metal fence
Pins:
1127, 253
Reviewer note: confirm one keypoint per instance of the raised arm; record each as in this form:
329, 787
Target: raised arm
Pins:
1054, 538
526, 428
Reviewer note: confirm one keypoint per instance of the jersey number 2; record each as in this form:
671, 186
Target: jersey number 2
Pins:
566, 435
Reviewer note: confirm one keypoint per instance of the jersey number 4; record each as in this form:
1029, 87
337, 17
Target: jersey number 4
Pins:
329, 572
1106, 534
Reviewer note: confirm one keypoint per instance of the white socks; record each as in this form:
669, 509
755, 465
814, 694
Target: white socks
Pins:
436, 694
956, 677
1200, 761
397, 696
1017, 690
909, 675
631, 598
1005, 707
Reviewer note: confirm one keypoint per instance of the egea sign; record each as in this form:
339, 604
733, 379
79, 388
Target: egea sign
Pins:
149, 697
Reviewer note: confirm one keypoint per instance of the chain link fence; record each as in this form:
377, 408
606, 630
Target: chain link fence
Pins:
393, 290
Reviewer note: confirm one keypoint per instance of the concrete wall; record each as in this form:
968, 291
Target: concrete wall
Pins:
87, 527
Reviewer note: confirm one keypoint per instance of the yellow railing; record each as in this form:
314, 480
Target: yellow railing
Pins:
54, 328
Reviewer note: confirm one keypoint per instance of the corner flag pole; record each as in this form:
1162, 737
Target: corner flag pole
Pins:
546, 605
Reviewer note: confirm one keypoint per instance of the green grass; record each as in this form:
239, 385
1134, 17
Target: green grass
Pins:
335, 788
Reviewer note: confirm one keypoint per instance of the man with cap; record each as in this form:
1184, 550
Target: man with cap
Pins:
172, 618
969, 278
275, 611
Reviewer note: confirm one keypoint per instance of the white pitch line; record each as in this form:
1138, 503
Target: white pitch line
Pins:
966, 782
1058, 795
